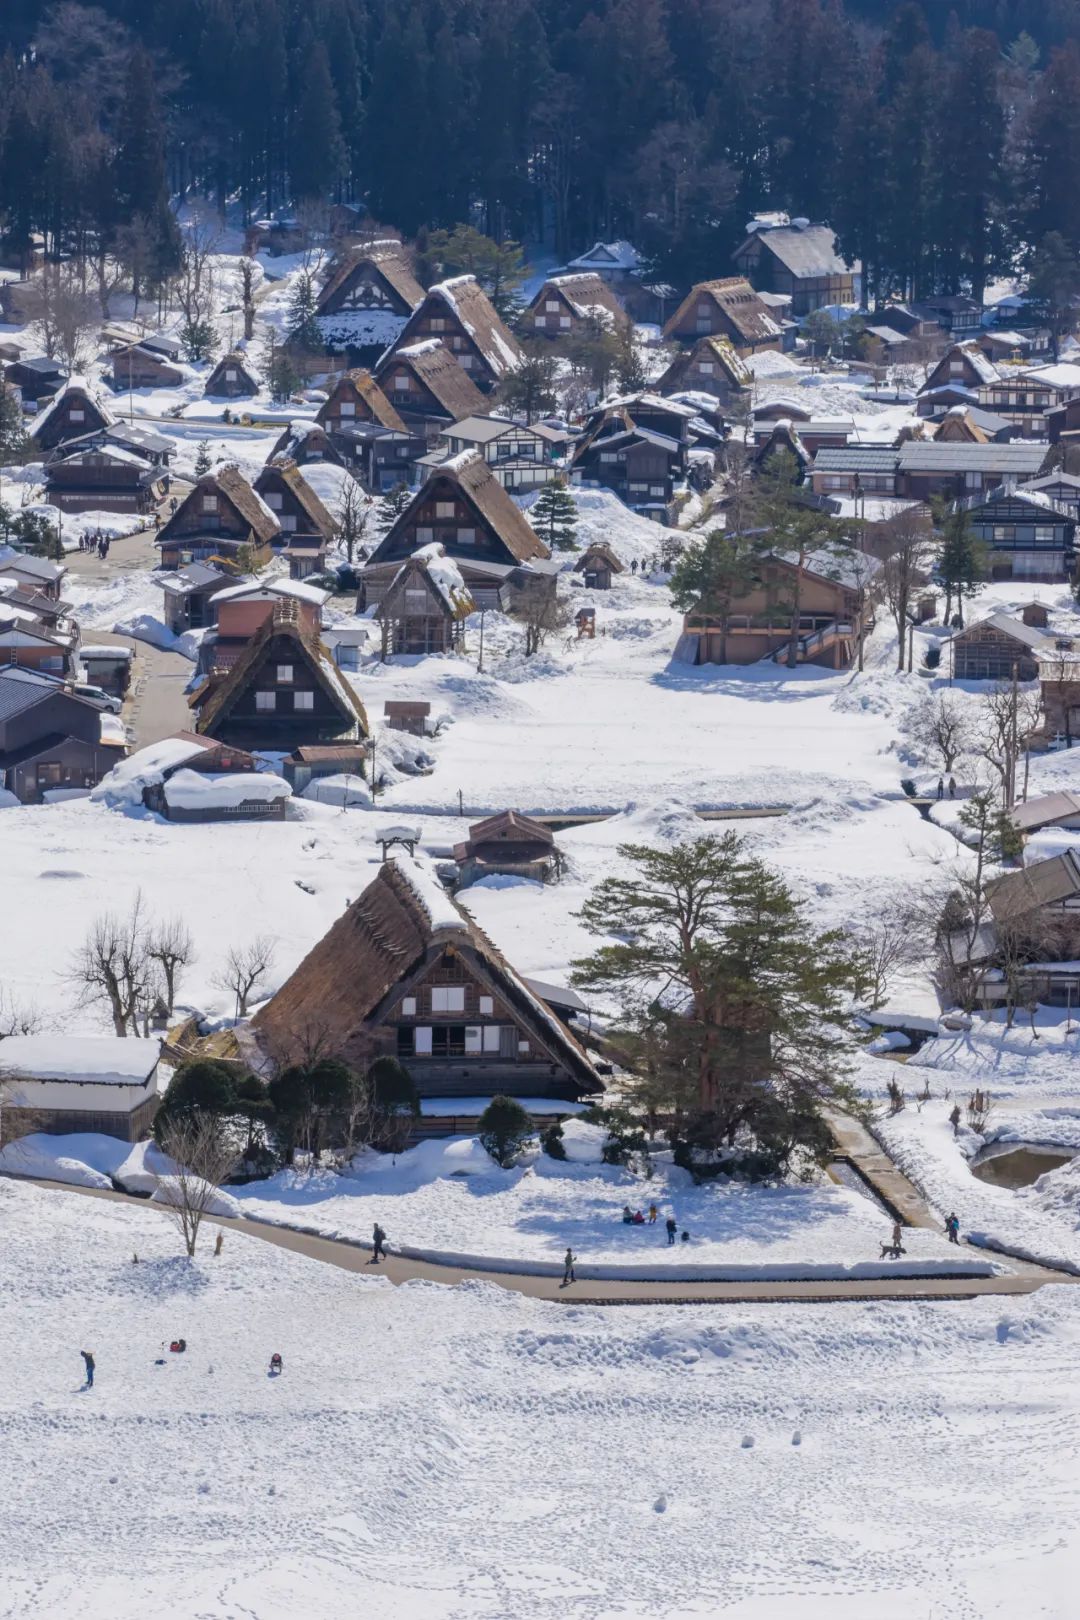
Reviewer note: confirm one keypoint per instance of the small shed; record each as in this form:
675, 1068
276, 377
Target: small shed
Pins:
400, 714
509, 843
308, 763
60, 1084
993, 648
1036, 614
599, 565
108, 667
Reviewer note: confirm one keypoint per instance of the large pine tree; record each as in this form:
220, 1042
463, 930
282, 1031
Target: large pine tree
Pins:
139, 180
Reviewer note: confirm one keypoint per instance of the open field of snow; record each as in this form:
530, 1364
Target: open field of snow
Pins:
453, 1453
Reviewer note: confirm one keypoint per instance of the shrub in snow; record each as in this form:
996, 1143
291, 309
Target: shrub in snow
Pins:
625, 1140
551, 1141
505, 1130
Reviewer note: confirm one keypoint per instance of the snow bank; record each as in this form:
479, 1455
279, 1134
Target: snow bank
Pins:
168, 1190
35, 1156
123, 787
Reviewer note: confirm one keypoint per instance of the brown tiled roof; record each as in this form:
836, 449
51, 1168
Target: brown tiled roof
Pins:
384, 937
1047, 883
229, 482
313, 508
509, 823
363, 385
285, 620
320, 753
477, 484
435, 368
392, 263
464, 298
751, 318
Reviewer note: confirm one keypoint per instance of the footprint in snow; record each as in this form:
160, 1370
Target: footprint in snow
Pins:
660, 1505
796, 1438
747, 1441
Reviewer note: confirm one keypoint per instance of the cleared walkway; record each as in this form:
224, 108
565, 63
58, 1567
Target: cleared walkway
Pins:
353, 1257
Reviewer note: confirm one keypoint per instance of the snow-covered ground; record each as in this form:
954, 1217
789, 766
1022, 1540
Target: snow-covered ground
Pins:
433, 1454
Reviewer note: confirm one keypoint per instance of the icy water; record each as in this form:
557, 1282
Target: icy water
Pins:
1019, 1166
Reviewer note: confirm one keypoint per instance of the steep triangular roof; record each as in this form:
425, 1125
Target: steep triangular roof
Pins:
717, 349
465, 299
439, 574
360, 387
401, 921
436, 370
740, 304
235, 361
599, 548
509, 824
473, 479
300, 439
390, 259
312, 507
214, 705
78, 392
228, 482
587, 293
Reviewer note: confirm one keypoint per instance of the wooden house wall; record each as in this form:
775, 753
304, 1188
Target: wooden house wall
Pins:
442, 516
985, 654
285, 726
365, 288
438, 320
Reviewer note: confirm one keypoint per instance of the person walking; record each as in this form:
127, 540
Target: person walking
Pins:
653, 1213
568, 1268
379, 1249
88, 1358
672, 1228
952, 1227
952, 787
954, 1119
219, 1240
941, 787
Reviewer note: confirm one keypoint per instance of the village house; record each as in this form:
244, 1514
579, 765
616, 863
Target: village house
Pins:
37, 575
509, 844
461, 316
306, 526
1004, 347
357, 397
107, 478
800, 260
598, 565
1060, 487
424, 608
75, 410
18, 601
522, 458
1059, 694
1026, 535
406, 973
1028, 397
955, 313
368, 434
618, 264
462, 507
137, 365
67, 1084
36, 377
282, 692
153, 448
962, 371
927, 468
189, 591
567, 306
306, 442
107, 667
638, 447
220, 517
231, 378
728, 308
836, 598
28, 644
49, 738
998, 646
712, 366
828, 433
314, 763
428, 387
854, 469
368, 298
190, 778
1058, 809
970, 424
241, 610
784, 439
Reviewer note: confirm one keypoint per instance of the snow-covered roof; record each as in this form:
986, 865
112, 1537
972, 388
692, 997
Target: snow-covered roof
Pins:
440, 910
124, 784
425, 346
619, 255
198, 790
1062, 375
80, 1059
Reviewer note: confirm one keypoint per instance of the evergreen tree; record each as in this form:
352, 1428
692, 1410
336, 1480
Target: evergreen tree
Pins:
1052, 167
962, 563
139, 167
317, 154
199, 339
202, 458
392, 504
530, 390
970, 229
553, 516
1054, 287
13, 440
303, 328
712, 575
504, 1130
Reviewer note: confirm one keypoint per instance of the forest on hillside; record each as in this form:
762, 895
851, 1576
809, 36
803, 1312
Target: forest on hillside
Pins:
941, 139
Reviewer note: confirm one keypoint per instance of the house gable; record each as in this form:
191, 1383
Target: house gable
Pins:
464, 508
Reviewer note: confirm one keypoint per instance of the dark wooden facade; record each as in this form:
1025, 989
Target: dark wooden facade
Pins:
799, 261
427, 387
712, 366
416, 616
1026, 536
509, 843
231, 378
71, 414
220, 517
105, 481
991, 650
49, 739
459, 314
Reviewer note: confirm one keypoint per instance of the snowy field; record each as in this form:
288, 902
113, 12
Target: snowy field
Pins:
469, 1454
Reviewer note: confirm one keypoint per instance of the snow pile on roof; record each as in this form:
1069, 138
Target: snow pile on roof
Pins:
98, 1060
33, 1156
445, 575
124, 784
440, 910
198, 790
342, 789
425, 346
458, 463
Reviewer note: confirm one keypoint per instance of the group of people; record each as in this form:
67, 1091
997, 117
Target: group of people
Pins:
94, 540
941, 787
634, 1217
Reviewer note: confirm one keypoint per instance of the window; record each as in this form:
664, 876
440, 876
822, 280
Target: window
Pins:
75, 415
284, 674
265, 701
703, 324
417, 600
609, 455
448, 1040
401, 381
288, 525
423, 1041
466, 537
1004, 531
656, 489
564, 320
523, 1048
705, 367
303, 700
445, 509
487, 1006
408, 1007
404, 1042
540, 320
473, 1038
209, 503
49, 775
273, 501
491, 1038
448, 998
465, 361
230, 374
437, 323
424, 536
348, 407
1044, 534
552, 305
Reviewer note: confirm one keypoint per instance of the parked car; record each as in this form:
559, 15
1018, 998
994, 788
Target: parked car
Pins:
96, 694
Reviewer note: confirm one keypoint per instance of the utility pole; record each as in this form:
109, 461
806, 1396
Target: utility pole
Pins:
911, 646
480, 665
1013, 746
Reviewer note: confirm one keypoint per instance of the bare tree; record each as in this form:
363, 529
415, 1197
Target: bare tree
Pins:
67, 317
541, 611
355, 515
1008, 720
204, 1158
942, 729
195, 283
136, 244
113, 965
894, 939
313, 218
911, 550
246, 966
171, 947
18, 1017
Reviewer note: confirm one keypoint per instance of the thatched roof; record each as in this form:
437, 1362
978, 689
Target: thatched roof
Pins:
433, 570
229, 483
720, 351
436, 370
307, 441
463, 298
313, 509
401, 924
47, 427
745, 312
599, 549
285, 620
389, 259
360, 387
473, 480
587, 294
235, 361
